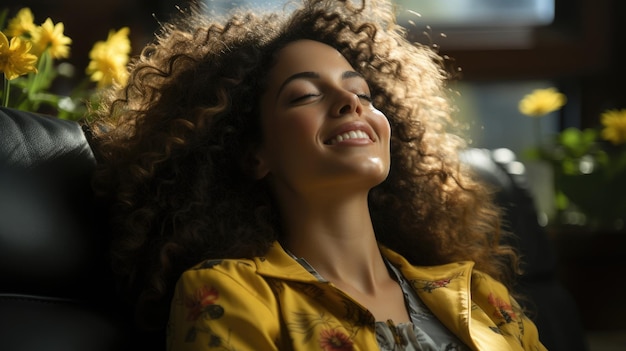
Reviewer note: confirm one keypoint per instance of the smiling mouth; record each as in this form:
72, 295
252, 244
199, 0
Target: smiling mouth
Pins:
353, 134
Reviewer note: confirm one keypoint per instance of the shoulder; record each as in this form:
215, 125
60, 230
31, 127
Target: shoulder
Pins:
237, 276
485, 286
240, 274
220, 303
481, 279
223, 266
507, 315
482, 298
494, 298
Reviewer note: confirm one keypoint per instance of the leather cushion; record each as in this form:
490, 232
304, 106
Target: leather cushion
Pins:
49, 235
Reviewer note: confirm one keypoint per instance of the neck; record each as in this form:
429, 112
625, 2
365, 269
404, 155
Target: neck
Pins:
337, 238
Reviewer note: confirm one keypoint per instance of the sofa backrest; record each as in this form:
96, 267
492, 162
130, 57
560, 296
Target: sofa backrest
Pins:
56, 287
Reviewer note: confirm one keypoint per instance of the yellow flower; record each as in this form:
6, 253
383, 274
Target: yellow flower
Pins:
109, 59
14, 57
22, 24
541, 102
50, 36
614, 122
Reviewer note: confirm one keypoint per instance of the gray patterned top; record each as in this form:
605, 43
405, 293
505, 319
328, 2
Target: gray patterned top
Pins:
424, 332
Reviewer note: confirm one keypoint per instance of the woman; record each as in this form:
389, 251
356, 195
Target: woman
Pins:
288, 182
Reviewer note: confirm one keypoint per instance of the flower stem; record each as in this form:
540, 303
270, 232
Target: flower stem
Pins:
537, 131
5, 97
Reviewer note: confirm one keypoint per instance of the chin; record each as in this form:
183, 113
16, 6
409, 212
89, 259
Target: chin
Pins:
373, 176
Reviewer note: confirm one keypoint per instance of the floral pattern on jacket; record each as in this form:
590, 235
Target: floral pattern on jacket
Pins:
273, 303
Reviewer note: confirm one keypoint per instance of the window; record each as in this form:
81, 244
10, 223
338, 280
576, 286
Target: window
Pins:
479, 13
478, 24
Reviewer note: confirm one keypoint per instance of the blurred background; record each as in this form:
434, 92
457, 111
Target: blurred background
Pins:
499, 51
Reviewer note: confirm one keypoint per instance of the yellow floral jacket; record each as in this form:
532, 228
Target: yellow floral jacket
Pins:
274, 303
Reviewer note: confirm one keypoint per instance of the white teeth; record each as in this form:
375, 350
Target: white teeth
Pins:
353, 134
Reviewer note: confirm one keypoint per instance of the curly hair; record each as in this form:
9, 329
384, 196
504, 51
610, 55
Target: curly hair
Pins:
174, 146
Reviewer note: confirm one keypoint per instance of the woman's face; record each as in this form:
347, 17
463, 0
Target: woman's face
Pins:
320, 130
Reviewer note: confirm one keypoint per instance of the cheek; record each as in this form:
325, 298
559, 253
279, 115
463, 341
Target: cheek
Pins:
383, 126
299, 129
291, 136
387, 128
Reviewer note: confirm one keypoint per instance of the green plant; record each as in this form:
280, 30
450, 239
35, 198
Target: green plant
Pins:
589, 165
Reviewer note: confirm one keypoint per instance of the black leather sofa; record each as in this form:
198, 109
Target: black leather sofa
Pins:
56, 288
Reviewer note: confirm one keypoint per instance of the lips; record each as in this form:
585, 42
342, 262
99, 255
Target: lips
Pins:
351, 131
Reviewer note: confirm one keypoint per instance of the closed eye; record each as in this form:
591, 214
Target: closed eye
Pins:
365, 97
304, 97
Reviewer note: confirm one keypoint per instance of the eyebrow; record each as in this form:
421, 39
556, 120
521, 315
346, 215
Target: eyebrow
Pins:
314, 75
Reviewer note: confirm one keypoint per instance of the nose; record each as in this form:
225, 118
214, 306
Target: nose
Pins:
347, 103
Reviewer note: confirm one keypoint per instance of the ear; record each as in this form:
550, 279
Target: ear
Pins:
258, 164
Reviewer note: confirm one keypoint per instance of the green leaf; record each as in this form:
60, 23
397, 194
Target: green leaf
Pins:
589, 136
3, 18
570, 138
569, 166
578, 143
46, 73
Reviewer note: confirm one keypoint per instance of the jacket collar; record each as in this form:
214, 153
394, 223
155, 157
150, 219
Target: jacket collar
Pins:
277, 263
445, 289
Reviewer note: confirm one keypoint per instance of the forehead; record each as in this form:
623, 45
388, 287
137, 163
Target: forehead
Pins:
306, 56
